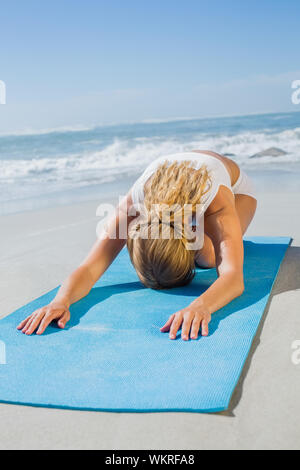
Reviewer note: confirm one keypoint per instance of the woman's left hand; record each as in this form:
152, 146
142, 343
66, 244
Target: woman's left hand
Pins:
190, 320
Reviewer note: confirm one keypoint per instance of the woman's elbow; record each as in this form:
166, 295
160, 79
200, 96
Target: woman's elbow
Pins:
236, 284
239, 287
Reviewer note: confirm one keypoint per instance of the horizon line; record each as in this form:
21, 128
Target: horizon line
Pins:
84, 128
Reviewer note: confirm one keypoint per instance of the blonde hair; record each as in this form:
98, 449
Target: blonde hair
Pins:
164, 263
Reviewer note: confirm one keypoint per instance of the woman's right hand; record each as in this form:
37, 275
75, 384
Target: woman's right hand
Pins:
40, 319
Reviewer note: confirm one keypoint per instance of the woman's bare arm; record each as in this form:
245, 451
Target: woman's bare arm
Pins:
224, 229
81, 281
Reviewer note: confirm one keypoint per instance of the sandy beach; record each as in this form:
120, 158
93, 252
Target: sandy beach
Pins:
39, 249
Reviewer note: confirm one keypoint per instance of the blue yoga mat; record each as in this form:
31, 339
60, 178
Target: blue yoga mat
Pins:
112, 356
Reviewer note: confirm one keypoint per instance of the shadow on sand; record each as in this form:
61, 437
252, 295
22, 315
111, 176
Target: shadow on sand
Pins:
288, 279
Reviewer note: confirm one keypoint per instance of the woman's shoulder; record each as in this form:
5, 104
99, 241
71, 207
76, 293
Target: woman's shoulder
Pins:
215, 159
223, 199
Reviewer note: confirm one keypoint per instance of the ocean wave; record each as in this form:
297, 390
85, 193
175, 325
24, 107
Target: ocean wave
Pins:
132, 155
51, 130
221, 119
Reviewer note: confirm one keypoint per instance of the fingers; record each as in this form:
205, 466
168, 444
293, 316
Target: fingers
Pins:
64, 320
48, 318
167, 326
24, 322
32, 326
41, 319
189, 322
28, 324
186, 327
204, 327
176, 324
195, 327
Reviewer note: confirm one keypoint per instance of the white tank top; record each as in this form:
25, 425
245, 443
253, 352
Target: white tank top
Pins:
217, 170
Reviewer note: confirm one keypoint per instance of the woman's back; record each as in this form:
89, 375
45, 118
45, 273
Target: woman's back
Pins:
222, 172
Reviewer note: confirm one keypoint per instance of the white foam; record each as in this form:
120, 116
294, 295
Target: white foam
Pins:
31, 132
131, 156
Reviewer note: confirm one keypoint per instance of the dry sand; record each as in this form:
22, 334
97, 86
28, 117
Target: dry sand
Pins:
38, 250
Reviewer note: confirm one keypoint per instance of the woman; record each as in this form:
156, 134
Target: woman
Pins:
201, 179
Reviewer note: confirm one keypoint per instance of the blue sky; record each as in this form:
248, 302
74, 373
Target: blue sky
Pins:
85, 62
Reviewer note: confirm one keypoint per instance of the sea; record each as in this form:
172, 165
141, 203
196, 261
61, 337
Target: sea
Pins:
51, 167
